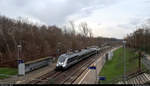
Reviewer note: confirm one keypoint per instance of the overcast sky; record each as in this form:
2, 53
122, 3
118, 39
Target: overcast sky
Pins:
108, 18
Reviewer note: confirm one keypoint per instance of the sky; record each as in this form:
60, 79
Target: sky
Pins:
107, 18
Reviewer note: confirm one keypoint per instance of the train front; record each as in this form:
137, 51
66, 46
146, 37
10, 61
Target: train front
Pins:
61, 62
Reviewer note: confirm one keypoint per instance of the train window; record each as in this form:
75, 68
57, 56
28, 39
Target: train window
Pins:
84, 54
71, 59
62, 59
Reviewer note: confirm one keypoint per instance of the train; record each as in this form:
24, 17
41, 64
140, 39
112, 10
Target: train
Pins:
68, 59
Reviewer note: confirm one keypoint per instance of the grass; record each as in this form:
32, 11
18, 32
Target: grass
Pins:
113, 69
6, 72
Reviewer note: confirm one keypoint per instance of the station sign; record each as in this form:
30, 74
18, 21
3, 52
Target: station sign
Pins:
102, 78
20, 61
92, 67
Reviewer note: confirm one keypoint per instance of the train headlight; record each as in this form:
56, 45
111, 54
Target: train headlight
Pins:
60, 63
57, 64
64, 65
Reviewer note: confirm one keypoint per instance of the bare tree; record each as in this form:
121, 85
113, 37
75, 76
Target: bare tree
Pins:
40, 41
72, 27
84, 29
90, 33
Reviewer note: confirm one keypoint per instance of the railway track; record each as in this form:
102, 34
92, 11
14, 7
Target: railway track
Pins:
63, 77
68, 76
75, 74
79, 70
44, 77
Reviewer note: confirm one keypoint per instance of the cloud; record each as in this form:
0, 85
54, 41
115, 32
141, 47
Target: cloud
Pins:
108, 18
48, 11
118, 19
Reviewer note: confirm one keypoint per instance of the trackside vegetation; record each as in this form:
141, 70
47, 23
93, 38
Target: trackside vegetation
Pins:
113, 69
7, 72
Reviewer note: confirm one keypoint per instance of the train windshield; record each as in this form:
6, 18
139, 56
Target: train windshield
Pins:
62, 59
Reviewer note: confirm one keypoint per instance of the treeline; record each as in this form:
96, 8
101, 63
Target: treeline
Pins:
140, 39
39, 41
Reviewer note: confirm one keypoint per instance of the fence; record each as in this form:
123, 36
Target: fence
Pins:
33, 65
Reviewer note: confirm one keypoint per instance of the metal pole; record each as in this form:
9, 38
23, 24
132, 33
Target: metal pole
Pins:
140, 54
96, 69
144, 41
124, 62
96, 76
19, 51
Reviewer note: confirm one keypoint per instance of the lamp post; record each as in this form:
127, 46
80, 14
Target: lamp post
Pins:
96, 70
21, 65
124, 58
19, 51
